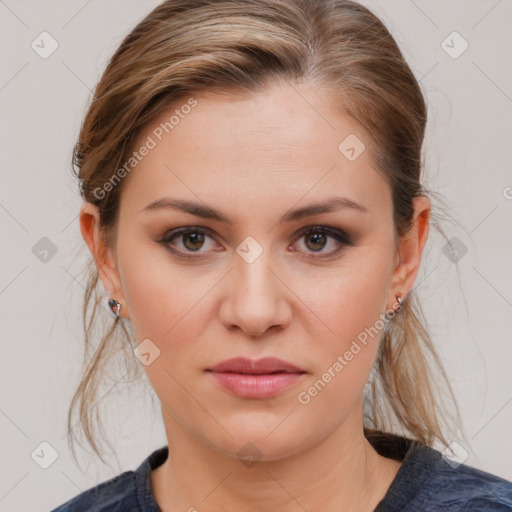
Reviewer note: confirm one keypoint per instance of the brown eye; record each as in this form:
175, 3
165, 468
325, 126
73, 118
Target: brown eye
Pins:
193, 241
317, 238
316, 241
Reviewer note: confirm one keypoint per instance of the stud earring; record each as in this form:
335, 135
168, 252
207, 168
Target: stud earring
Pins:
400, 302
114, 306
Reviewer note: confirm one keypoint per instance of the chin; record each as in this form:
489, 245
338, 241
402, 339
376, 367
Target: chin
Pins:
254, 444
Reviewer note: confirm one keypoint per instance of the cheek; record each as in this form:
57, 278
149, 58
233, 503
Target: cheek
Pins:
162, 296
169, 307
348, 307
348, 300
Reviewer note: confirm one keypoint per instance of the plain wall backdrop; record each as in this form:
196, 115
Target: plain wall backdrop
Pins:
467, 295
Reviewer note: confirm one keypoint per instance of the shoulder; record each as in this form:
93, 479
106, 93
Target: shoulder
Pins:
108, 495
466, 488
428, 481
130, 490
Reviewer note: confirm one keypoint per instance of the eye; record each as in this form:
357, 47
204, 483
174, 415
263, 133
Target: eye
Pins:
316, 238
192, 240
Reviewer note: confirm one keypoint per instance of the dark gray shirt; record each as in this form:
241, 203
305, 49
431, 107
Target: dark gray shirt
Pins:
425, 482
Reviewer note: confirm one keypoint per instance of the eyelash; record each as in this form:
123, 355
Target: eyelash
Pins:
340, 236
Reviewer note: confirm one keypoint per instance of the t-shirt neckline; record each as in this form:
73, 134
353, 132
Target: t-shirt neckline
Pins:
416, 462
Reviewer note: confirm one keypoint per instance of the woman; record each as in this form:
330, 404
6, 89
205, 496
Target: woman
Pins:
253, 202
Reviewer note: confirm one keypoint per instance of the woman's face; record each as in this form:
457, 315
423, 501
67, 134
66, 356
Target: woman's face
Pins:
265, 281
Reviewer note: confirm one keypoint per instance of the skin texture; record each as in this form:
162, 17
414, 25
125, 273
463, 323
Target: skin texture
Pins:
254, 159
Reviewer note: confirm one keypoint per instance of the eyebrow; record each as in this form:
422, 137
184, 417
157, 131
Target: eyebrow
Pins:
207, 212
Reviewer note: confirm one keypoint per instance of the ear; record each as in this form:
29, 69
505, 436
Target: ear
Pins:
410, 248
103, 254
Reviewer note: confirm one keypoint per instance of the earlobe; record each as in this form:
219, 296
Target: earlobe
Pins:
411, 248
100, 250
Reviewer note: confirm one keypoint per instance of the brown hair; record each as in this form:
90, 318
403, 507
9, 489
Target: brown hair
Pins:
188, 47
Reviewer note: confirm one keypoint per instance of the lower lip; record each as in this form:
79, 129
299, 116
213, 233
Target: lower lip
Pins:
256, 386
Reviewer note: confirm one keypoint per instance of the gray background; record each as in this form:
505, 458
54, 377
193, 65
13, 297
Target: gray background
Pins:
468, 303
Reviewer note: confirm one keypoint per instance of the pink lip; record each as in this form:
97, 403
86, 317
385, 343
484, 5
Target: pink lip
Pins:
260, 378
264, 365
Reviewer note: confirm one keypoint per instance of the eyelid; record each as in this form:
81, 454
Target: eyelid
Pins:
342, 238
340, 235
177, 232
329, 230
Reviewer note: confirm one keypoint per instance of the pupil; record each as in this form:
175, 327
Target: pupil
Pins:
195, 238
315, 236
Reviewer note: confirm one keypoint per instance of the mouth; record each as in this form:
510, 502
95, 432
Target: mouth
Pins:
248, 372
255, 379
264, 366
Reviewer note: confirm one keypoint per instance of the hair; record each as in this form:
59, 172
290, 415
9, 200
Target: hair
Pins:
191, 47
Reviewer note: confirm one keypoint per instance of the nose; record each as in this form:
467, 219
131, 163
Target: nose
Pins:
256, 300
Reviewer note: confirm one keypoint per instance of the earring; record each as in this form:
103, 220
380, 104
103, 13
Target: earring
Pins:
114, 306
400, 302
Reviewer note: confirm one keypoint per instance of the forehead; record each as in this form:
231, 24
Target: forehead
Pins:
274, 147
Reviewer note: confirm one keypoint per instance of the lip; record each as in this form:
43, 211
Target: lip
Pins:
265, 365
249, 378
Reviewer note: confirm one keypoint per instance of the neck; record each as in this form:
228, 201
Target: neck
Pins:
342, 472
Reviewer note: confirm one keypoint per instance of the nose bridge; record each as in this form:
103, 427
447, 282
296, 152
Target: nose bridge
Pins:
253, 275
255, 302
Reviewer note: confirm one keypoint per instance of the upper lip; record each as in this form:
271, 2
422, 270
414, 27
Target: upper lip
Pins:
255, 366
